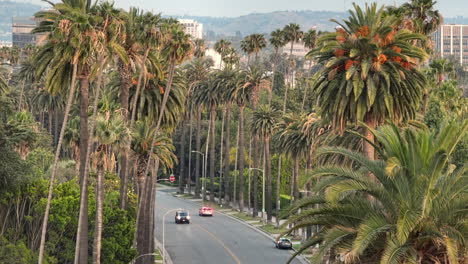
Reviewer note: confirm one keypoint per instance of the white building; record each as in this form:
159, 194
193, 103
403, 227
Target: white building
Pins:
215, 56
298, 49
192, 28
452, 41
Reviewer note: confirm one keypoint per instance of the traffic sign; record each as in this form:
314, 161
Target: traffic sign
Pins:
172, 178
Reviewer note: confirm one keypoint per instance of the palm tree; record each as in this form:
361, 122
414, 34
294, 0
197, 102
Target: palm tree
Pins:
246, 47
200, 48
162, 152
196, 72
70, 47
441, 68
416, 212
422, 13
110, 130
177, 48
277, 40
292, 34
370, 74
264, 123
222, 46
257, 42
231, 57
309, 39
130, 45
255, 80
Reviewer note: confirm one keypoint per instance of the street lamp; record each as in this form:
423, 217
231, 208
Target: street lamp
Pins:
164, 234
263, 190
203, 174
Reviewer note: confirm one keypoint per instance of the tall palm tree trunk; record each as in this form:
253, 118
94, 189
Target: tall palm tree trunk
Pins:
270, 95
56, 127
189, 174
81, 249
278, 191
125, 84
221, 153
212, 152
71, 95
197, 155
241, 158
269, 188
182, 157
144, 227
290, 76
82, 236
98, 221
307, 87
296, 178
255, 147
124, 184
227, 148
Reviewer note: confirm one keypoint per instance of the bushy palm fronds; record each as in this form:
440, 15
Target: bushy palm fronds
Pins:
413, 212
371, 70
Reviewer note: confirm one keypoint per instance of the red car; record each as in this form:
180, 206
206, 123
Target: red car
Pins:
205, 211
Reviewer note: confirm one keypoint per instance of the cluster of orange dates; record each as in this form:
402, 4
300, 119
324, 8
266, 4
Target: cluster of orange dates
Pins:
342, 36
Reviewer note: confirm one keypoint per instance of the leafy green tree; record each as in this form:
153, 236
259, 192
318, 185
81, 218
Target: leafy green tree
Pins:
370, 72
416, 208
246, 47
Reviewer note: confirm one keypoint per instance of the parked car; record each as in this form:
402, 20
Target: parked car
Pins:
182, 217
283, 243
205, 211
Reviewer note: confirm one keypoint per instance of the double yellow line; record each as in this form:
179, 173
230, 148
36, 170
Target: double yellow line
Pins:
228, 250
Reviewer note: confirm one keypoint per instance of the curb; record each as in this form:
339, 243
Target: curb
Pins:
302, 259
167, 256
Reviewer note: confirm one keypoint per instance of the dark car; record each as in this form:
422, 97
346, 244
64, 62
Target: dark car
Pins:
182, 217
283, 243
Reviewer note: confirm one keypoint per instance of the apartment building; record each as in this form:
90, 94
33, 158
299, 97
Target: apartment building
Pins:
451, 41
192, 28
21, 32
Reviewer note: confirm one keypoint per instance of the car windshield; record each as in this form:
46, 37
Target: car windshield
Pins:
182, 213
284, 240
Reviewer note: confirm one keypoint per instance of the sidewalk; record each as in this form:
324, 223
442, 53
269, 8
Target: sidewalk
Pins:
257, 224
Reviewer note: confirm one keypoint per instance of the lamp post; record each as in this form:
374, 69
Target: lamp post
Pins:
164, 234
203, 175
263, 190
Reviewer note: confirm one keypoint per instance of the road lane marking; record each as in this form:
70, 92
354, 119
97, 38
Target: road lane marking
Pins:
234, 257
229, 251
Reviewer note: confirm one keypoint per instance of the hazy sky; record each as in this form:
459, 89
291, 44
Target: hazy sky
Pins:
232, 8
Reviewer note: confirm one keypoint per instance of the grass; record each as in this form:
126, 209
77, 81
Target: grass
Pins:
245, 217
158, 255
272, 229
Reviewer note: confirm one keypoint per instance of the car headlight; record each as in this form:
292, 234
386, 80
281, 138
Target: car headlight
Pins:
178, 217
188, 217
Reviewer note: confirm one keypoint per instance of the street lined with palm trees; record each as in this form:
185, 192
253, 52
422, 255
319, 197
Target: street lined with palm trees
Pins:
217, 239
358, 146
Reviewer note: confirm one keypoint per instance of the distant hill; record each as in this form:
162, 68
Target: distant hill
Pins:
9, 9
267, 22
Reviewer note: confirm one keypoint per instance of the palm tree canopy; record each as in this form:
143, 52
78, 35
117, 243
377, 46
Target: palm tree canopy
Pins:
264, 121
370, 70
257, 42
417, 211
292, 32
310, 38
278, 38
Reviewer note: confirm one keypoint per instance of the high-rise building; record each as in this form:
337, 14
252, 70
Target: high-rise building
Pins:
192, 28
451, 41
21, 32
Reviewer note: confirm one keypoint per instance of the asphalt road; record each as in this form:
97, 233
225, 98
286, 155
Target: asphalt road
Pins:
212, 240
